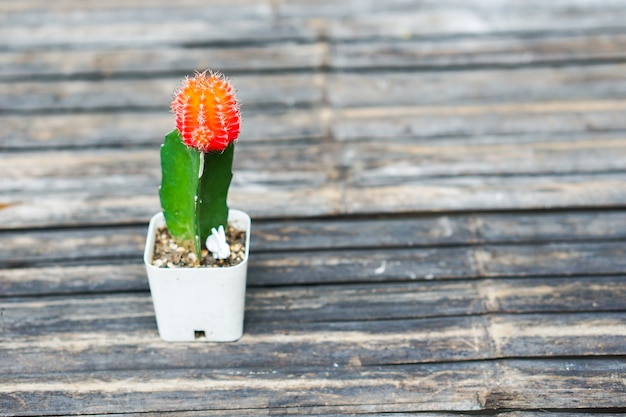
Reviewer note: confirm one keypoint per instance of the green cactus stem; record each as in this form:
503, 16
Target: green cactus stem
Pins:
194, 190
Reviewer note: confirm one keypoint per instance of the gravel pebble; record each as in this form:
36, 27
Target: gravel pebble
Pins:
167, 253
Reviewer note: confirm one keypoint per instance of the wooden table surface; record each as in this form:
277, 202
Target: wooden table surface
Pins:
438, 194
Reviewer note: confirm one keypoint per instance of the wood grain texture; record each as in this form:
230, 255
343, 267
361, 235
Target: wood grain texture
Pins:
437, 193
488, 193
480, 86
464, 52
134, 62
566, 383
316, 56
115, 129
268, 90
126, 326
342, 89
350, 266
140, 33
490, 123
326, 179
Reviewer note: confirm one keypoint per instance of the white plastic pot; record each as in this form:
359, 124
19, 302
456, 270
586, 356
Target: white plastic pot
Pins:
198, 304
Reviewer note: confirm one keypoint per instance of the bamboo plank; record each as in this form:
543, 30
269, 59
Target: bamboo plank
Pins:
476, 51
522, 385
476, 87
332, 267
400, 389
332, 303
33, 251
74, 279
487, 193
344, 344
484, 122
126, 326
487, 86
567, 384
438, 230
417, 23
128, 205
388, 178
322, 412
108, 25
64, 170
380, 142
286, 90
531, 260
364, 163
372, 55
491, 124
165, 60
69, 8
137, 33
394, 162
384, 301
330, 9
31, 13
115, 129
33, 247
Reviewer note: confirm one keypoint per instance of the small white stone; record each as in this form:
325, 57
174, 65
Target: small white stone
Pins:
216, 243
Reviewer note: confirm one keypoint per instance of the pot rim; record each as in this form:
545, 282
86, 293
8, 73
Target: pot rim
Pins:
158, 219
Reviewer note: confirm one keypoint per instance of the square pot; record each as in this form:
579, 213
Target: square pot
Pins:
198, 304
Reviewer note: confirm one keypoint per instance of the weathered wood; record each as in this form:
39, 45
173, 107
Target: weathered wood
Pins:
298, 56
145, 128
384, 301
254, 22
343, 303
329, 9
474, 87
439, 230
525, 384
437, 23
440, 263
328, 267
362, 163
61, 171
486, 193
393, 162
164, 33
77, 9
507, 51
64, 327
385, 178
345, 390
381, 142
31, 13
324, 412
127, 205
342, 89
135, 62
81, 349
42, 246
284, 90
548, 227
508, 384
33, 251
52, 279
490, 123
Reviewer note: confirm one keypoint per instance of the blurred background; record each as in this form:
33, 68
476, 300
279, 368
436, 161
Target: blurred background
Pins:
348, 106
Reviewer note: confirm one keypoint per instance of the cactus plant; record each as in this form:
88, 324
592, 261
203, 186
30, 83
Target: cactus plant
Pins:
197, 157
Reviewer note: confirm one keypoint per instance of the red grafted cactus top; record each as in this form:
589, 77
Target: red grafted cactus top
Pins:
207, 112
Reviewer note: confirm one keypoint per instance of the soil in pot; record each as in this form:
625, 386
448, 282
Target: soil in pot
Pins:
167, 254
